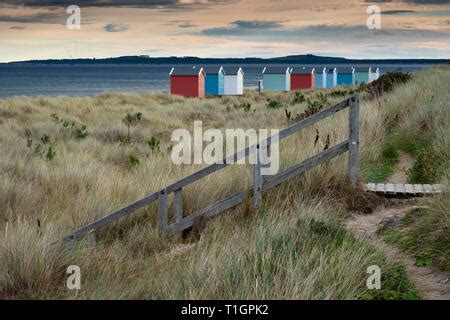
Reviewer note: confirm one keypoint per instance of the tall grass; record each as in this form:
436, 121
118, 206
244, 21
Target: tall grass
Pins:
290, 250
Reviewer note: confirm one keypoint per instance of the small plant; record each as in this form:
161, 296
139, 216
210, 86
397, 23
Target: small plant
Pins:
327, 143
273, 104
81, 132
288, 115
322, 97
45, 139
40, 147
338, 93
131, 120
29, 138
76, 131
298, 97
246, 106
134, 161
154, 143
51, 153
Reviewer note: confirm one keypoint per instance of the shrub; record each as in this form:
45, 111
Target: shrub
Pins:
273, 104
154, 143
387, 82
298, 97
131, 120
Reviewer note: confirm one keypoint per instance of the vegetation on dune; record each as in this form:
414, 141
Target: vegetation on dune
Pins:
419, 126
386, 83
295, 248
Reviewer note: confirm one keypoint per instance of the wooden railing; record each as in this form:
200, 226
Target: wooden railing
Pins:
261, 183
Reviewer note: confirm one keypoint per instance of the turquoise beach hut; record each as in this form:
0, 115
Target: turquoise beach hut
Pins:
214, 81
277, 79
321, 78
331, 78
345, 76
362, 75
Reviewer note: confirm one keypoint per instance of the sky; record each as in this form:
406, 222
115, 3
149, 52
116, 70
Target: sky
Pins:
31, 29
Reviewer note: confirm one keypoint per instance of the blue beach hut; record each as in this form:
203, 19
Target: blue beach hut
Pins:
214, 81
321, 78
362, 75
331, 78
277, 79
345, 76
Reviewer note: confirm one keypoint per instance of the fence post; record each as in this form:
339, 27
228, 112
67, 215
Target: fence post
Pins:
257, 179
162, 210
178, 205
353, 138
92, 238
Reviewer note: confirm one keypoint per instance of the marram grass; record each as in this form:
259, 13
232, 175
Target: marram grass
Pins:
295, 248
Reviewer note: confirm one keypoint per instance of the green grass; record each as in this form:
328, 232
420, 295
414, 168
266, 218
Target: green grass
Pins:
378, 171
295, 249
425, 234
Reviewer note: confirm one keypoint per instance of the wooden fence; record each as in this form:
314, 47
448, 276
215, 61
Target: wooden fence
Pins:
261, 183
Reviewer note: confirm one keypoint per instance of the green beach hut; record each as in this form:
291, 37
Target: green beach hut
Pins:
277, 78
362, 75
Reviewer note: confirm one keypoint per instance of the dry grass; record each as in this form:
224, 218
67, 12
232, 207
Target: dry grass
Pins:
295, 249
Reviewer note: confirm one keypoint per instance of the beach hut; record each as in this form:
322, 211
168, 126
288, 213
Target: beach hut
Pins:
345, 76
214, 81
331, 78
233, 81
187, 82
321, 78
277, 79
374, 74
362, 75
303, 78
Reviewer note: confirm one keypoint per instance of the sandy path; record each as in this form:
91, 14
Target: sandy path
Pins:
429, 283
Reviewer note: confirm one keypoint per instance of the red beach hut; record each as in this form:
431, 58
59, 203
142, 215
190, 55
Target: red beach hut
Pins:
187, 82
303, 78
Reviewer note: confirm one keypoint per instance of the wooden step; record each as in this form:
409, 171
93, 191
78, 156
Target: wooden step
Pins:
404, 189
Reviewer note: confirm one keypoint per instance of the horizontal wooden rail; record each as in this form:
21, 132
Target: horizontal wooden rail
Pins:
273, 181
210, 211
183, 223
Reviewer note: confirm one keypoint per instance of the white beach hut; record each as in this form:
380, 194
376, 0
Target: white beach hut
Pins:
374, 74
234, 81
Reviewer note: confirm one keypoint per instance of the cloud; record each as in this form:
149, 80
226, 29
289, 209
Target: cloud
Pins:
58, 16
413, 1
115, 3
17, 28
243, 28
397, 11
325, 33
187, 25
115, 27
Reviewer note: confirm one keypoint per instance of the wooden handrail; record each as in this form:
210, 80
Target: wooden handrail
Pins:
181, 223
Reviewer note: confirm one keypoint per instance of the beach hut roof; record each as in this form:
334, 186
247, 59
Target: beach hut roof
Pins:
233, 70
186, 71
276, 70
345, 70
212, 69
362, 69
303, 70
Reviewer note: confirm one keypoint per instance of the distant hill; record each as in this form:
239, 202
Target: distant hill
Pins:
294, 59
